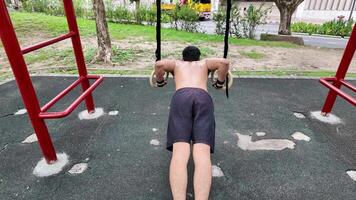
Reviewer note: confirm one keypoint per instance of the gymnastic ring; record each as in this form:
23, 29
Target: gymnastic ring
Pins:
153, 81
213, 78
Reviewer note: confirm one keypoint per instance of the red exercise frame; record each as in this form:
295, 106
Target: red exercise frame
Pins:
16, 58
335, 83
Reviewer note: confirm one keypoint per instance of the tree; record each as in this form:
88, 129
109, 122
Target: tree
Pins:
15, 4
286, 9
104, 43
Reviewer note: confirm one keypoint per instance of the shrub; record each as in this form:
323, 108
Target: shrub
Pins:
189, 18
252, 18
140, 14
122, 14
220, 20
247, 22
174, 17
337, 27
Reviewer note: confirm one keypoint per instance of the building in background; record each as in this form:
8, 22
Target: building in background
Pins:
324, 10
316, 11
310, 10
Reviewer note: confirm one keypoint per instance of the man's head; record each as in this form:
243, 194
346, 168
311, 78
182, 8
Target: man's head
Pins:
191, 53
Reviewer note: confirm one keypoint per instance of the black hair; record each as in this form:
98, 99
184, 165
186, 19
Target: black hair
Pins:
191, 53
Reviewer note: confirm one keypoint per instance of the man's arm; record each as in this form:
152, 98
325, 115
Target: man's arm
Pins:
220, 64
163, 66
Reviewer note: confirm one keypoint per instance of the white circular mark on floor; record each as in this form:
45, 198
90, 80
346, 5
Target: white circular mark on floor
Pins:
113, 112
352, 174
30, 139
154, 129
43, 169
226, 142
299, 115
154, 113
245, 143
87, 159
300, 136
330, 118
216, 171
78, 168
260, 134
96, 114
21, 112
154, 142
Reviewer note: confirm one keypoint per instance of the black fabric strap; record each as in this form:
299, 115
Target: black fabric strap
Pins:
220, 82
226, 40
158, 30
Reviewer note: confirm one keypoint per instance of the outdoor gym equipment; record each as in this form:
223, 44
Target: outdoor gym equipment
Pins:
15, 55
229, 78
335, 83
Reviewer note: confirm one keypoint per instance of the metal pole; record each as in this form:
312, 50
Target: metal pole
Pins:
24, 83
352, 10
341, 72
78, 51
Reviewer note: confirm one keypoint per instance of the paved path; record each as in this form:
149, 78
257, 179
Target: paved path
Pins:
315, 41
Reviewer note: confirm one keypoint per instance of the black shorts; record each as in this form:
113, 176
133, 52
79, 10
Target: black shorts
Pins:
191, 118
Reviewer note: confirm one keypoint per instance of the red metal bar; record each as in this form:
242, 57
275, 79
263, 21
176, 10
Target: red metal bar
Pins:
341, 93
47, 43
348, 85
60, 95
66, 112
22, 77
78, 51
341, 72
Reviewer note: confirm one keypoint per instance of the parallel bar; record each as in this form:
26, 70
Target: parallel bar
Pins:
47, 43
341, 72
343, 94
348, 85
342, 81
53, 115
61, 95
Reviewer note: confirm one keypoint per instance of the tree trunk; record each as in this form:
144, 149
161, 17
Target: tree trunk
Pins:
138, 4
285, 21
16, 4
286, 9
102, 31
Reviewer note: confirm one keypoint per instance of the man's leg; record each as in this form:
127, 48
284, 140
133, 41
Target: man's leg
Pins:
178, 174
202, 172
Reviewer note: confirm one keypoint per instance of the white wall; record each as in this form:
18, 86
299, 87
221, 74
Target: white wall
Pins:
324, 10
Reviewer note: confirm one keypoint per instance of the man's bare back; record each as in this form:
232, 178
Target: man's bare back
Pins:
192, 74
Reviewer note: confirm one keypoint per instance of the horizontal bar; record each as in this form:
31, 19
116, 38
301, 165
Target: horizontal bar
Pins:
347, 97
61, 94
53, 115
47, 43
348, 85
343, 82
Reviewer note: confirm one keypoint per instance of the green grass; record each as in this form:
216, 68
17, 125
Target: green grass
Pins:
34, 22
51, 55
252, 54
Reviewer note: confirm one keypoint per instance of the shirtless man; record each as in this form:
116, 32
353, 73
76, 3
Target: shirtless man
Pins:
191, 119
